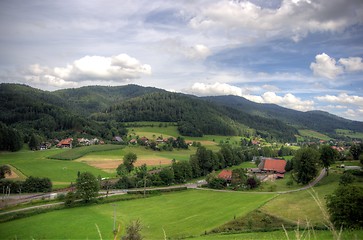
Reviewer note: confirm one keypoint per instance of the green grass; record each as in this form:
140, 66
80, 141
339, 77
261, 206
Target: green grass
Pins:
314, 134
142, 152
179, 214
78, 152
278, 235
37, 164
349, 133
300, 206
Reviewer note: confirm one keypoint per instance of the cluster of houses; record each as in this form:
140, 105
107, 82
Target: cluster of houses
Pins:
269, 168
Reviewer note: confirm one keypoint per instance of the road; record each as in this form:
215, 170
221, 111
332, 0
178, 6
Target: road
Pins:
188, 185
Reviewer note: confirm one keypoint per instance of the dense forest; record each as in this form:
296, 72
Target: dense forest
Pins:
100, 111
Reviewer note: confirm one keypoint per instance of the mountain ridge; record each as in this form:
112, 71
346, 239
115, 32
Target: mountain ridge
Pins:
220, 115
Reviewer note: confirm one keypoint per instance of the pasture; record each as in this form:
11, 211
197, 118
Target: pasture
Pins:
314, 134
37, 164
180, 214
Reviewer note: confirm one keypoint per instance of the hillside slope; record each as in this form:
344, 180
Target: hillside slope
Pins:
316, 120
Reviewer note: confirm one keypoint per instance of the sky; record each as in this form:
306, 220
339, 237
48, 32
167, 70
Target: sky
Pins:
300, 54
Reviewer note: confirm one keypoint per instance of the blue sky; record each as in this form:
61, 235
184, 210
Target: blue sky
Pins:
300, 54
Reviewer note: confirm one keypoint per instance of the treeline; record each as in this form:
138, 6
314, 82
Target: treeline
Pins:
10, 138
201, 164
30, 185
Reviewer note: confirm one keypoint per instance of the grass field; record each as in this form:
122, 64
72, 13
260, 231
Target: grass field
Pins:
179, 214
348, 133
314, 134
78, 152
300, 206
37, 164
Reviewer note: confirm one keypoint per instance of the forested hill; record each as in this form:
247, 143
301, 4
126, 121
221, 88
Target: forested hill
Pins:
93, 99
316, 120
195, 116
100, 111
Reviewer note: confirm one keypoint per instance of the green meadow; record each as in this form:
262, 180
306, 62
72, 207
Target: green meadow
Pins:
314, 134
37, 164
180, 214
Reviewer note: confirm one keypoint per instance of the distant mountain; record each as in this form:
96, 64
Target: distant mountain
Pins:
99, 110
316, 120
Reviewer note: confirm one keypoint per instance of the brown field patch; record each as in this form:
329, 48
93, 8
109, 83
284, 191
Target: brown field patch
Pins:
110, 165
13, 175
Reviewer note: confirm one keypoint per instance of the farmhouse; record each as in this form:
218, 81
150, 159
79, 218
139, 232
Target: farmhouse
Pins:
65, 143
226, 175
274, 166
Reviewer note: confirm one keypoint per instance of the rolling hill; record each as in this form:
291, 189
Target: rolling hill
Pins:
94, 110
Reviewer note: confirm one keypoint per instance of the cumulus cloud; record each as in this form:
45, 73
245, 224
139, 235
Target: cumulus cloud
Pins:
325, 66
352, 64
288, 100
342, 98
293, 19
203, 89
119, 68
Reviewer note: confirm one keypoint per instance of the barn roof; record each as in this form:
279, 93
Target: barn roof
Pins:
270, 164
225, 174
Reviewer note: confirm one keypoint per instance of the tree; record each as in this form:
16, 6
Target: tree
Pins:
133, 231
355, 150
328, 156
345, 206
129, 160
346, 178
305, 165
121, 170
167, 176
34, 142
87, 186
4, 169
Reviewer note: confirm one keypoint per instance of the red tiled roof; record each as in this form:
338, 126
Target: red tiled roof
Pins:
67, 141
277, 165
225, 174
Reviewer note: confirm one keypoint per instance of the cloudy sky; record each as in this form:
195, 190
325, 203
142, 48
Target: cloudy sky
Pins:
300, 54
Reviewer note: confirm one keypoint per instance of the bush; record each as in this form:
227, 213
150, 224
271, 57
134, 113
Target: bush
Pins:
35, 184
345, 207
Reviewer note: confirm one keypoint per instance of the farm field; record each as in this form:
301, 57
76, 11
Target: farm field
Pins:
109, 160
179, 214
37, 164
314, 134
349, 133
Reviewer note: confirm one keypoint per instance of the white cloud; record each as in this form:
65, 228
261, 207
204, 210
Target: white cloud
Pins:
352, 64
293, 19
342, 98
217, 88
325, 66
119, 68
288, 100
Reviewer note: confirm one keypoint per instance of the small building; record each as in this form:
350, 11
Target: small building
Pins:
65, 143
273, 165
226, 175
